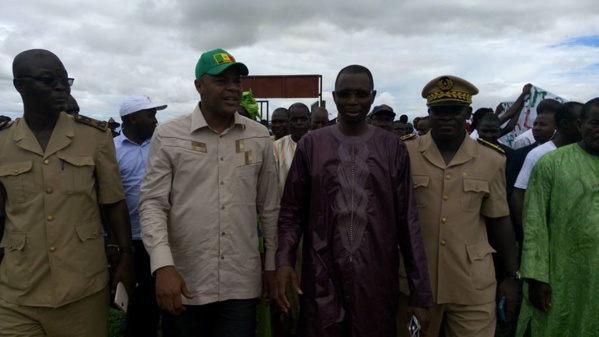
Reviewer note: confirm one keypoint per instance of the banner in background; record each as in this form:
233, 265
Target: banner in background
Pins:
528, 114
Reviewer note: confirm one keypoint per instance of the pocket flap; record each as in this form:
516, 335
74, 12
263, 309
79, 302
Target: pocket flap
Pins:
13, 241
420, 181
89, 230
478, 251
78, 160
476, 185
13, 169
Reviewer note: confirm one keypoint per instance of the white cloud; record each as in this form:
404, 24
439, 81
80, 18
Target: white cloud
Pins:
116, 48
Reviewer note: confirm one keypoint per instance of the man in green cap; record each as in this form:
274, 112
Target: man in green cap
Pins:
209, 174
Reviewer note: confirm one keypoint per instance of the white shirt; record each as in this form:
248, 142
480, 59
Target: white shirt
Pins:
524, 139
531, 160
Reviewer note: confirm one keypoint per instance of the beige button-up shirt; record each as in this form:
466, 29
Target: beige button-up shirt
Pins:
453, 200
54, 251
200, 197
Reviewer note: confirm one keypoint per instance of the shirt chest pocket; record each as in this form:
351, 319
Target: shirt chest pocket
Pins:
76, 174
248, 163
420, 186
475, 190
18, 180
247, 167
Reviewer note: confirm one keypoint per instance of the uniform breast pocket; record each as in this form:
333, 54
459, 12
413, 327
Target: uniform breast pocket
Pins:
420, 186
76, 174
18, 181
474, 192
14, 271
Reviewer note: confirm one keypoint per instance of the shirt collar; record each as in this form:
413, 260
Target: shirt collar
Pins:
121, 138
198, 121
467, 151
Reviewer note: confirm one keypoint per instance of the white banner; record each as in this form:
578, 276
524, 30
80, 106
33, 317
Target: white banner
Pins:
528, 114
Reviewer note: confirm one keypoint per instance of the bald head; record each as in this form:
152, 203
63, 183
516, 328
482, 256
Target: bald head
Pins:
26, 62
320, 118
549, 106
42, 81
280, 123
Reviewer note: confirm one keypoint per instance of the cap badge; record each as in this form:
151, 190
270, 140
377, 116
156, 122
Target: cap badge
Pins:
223, 58
445, 83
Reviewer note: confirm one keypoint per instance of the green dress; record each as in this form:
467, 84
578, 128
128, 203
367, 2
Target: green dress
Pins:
561, 242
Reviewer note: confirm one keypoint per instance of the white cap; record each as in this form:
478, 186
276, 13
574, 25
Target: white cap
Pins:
137, 103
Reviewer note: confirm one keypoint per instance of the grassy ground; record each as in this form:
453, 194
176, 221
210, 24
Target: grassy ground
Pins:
114, 322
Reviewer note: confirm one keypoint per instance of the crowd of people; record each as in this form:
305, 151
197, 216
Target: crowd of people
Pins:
359, 226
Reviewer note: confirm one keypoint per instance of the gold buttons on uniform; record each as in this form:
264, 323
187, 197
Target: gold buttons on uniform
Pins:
50, 218
96, 234
443, 220
52, 249
15, 171
49, 190
445, 197
46, 162
443, 242
464, 174
479, 255
448, 177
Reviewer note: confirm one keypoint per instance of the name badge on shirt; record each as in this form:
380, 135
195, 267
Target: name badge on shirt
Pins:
200, 147
239, 146
248, 158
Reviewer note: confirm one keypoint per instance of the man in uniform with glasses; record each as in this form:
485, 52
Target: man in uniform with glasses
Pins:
55, 169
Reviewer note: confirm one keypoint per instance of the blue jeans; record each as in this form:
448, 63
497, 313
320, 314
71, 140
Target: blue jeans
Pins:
232, 318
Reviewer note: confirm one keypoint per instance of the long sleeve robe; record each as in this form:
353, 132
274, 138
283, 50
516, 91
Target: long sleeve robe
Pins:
352, 200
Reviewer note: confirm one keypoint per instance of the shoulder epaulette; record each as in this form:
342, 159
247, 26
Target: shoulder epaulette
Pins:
6, 125
408, 137
100, 125
491, 145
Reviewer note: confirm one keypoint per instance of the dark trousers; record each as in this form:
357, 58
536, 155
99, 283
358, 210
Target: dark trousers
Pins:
232, 318
143, 316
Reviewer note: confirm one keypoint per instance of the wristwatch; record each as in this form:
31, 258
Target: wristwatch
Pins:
514, 274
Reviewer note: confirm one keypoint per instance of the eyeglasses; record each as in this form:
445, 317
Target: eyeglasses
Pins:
51, 81
359, 94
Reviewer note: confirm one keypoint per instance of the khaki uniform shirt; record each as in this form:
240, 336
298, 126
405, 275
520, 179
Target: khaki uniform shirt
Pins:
54, 250
452, 202
199, 202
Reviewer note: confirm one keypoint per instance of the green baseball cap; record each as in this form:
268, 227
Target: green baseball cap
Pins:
216, 61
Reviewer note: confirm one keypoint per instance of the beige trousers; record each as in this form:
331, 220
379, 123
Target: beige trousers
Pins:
86, 317
456, 320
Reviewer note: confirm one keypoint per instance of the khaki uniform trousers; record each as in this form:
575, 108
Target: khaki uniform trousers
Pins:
456, 320
86, 317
